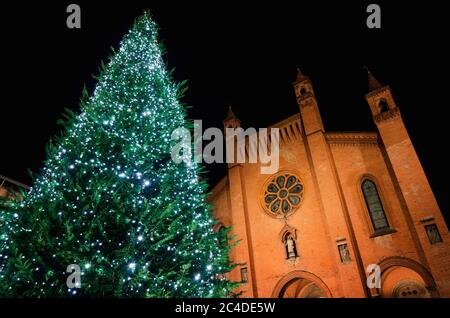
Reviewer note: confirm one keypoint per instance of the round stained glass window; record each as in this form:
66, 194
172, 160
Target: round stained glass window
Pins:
282, 194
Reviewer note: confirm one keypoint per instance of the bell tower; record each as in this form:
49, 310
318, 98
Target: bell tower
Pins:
242, 253
421, 208
384, 110
307, 102
231, 121
328, 187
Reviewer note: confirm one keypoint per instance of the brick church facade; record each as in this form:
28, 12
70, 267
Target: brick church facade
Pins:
339, 204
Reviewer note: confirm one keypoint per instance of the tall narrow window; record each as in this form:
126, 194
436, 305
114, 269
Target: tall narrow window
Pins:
374, 206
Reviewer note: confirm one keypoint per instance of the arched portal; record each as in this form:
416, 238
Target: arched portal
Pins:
402, 277
301, 284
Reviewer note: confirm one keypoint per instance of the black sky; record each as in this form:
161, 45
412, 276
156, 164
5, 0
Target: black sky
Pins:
231, 53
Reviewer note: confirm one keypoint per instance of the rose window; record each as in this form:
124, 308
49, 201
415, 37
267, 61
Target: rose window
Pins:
283, 194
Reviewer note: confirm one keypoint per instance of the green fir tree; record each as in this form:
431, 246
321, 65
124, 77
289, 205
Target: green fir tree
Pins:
112, 201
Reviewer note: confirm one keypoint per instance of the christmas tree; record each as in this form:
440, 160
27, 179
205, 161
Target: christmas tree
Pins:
111, 202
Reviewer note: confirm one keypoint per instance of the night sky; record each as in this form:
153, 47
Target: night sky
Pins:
231, 53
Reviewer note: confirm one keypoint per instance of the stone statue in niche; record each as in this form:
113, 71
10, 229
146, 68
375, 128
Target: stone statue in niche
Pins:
290, 247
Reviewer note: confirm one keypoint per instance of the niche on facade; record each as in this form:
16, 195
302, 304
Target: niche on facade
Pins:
288, 236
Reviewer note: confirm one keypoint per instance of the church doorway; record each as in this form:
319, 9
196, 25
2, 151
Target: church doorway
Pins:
405, 278
403, 282
300, 284
301, 288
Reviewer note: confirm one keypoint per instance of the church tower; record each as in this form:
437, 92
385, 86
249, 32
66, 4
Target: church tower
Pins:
328, 187
308, 104
242, 253
231, 121
428, 228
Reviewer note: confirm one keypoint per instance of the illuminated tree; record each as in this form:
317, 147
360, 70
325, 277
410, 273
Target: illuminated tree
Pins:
111, 200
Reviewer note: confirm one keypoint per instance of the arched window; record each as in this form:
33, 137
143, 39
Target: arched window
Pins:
303, 91
383, 105
374, 205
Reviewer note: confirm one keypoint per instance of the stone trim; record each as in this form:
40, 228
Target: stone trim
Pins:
352, 138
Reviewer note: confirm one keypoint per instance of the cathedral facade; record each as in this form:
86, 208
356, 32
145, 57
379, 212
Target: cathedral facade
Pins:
348, 214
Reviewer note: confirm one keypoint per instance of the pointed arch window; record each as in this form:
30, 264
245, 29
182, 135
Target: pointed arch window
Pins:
374, 206
383, 105
302, 91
